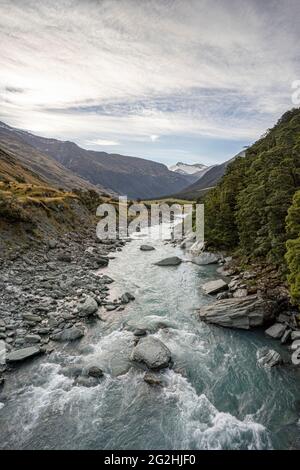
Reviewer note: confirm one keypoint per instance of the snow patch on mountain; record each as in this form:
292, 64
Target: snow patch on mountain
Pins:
187, 168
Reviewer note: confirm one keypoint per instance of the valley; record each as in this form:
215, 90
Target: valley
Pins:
204, 331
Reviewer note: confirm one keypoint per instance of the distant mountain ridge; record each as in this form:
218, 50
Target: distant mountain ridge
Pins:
194, 171
208, 180
17, 154
135, 177
187, 168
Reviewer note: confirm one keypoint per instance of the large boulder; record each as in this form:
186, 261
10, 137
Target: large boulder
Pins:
147, 248
268, 357
31, 317
69, 334
245, 313
214, 287
206, 258
95, 371
104, 279
140, 332
32, 338
88, 307
172, 261
102, 261
22, 354
126, 298
276, 331
151, 352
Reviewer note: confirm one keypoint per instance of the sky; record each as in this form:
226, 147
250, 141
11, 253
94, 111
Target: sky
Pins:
167, 80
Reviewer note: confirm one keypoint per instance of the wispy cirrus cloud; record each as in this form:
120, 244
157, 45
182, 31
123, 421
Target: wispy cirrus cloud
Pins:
102, 142
116, 71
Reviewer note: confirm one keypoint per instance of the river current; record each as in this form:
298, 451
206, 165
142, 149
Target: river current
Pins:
216, 396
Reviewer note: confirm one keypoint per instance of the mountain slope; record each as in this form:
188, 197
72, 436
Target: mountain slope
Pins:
133, 176
208, 180
44, 166
292, 256
12, 170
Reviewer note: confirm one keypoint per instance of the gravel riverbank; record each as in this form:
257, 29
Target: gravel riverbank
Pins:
50, 293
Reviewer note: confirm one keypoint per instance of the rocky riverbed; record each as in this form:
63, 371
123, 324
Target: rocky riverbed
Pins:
247, 299
144, 374
50, 294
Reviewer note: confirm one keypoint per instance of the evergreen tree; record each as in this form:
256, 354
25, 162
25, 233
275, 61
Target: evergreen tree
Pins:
246, 211
293, 248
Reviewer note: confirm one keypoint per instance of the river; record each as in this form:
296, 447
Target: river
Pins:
215, 397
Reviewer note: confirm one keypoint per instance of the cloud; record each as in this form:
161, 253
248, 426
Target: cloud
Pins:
11, 89
132, 69
154, 137
102, 142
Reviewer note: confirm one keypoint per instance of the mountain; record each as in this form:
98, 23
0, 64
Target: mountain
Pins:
207, 180
192, 171
20, 158
11, 169
254, 210
136, 177
187, 168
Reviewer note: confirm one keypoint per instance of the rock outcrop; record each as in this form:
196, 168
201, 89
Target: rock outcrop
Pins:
172, 261
214, 287
126, 298
268, 357
147, 248
20, 355
88, 307
69, 334
245, 313
276, 331
151, 352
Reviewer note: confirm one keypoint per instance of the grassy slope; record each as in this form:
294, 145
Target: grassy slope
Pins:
32, 212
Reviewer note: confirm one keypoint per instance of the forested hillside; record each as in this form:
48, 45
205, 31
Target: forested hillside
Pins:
247, 211
293, 248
